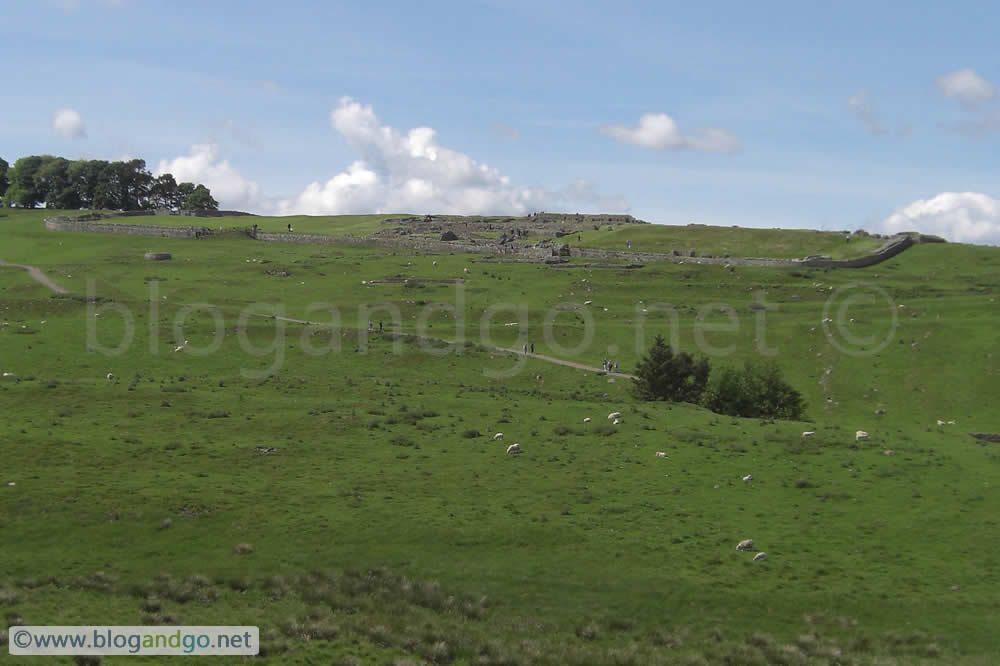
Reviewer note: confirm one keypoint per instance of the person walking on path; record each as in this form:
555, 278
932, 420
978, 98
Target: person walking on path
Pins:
532, 347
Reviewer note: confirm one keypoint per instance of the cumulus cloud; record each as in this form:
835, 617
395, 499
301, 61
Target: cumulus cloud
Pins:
412, 172
68, 123
863, 109
966, 217
966, 86
204, 165
658, 131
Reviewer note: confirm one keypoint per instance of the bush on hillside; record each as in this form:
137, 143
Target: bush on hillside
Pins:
756, 391
664, 375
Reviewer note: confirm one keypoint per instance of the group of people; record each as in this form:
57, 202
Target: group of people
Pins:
530, 347
609, 366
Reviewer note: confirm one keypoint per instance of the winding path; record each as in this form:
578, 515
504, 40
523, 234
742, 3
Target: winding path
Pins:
37, 274
540, 357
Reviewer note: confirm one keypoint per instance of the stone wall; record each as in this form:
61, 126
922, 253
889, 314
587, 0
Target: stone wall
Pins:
90, 226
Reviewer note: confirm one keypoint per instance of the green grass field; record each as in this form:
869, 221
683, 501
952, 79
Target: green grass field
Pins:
653, 238
732, 241
334, 225
388, 527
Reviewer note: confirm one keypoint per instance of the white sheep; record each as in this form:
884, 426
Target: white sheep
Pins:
859, 435
616, 422
498, 436
759, 556
180, 347
587, 420
434, 263
746, 544
587, 302
809, 433
514, 448
661, 454
747, 478
110, 376
614, 415
465, 270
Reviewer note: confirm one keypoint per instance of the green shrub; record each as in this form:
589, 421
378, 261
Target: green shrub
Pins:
756, 391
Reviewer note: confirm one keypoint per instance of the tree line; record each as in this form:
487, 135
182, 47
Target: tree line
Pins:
97, 185
755, 391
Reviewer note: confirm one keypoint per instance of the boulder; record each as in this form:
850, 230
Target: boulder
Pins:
449, 236
157, 256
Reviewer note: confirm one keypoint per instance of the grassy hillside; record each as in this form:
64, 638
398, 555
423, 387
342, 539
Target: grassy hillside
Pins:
654, 238
388, 527
334, 225
734, 241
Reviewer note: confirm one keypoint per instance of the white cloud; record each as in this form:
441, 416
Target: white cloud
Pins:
658, 131
966, 86
966, 217
68, 123
229, 188
863, 109
411, 172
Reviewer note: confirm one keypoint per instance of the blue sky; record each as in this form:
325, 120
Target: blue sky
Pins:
874, 115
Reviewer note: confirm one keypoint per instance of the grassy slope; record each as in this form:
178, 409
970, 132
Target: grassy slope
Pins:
656, 238
337, 225
734, 241
583, 529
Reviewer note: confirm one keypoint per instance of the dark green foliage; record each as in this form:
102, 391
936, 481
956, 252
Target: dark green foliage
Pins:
96, 184
200, 199
664, 375
756, 391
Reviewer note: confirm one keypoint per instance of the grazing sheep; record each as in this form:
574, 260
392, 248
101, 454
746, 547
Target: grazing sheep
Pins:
940, 422
614, 415
661, 454
180, 347
434, 263
889, 452
109, 376
514, 448
616, 422
809, 433
746, 544
748, 477
587, 302
465, 270
859, 435
587, 420
759, 556
498, 436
